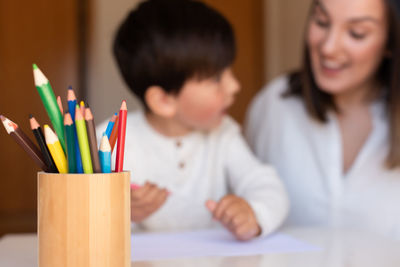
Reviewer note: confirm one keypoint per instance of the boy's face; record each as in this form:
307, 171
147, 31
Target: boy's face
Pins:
201, 104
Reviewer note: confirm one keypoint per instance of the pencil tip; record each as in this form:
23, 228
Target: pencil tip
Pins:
35, 66
71, 95
30, 116
123, 105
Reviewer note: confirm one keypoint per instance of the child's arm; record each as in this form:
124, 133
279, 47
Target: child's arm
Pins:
254, 183
146, 200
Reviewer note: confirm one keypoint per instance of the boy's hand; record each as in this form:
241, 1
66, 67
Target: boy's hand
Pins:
146, 200
236, 215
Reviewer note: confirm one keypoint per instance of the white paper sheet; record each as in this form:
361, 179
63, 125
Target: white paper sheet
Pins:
214, 242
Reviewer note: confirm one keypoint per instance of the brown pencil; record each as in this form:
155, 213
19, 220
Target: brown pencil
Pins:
20, 137
91, 131
114, 134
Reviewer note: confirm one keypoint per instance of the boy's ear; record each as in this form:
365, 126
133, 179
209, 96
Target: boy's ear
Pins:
160, 102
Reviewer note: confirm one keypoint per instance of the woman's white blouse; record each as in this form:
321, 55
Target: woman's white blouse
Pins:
308, 157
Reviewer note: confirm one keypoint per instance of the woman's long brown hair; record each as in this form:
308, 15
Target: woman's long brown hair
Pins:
318, 103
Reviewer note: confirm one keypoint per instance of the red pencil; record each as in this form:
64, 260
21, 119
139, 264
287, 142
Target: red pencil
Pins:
119, 161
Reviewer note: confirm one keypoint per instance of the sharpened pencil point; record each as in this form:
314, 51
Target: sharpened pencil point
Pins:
35, 66
123, 105
30, 116
71, 95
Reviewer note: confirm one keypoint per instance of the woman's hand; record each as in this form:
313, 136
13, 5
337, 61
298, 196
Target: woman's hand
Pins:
145, 200
236, 215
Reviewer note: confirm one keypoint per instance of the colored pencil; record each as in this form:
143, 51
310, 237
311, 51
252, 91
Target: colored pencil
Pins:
110, 125
55, 149
119, 161
37, 132
105, 154
70, 138
83, 141
91, 131
50, 103
20, 137
82, 108
60, 106
114, 134
71, 99
71, 106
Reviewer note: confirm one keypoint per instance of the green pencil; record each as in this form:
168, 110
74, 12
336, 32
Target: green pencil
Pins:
83, 141
50, 103
70, 136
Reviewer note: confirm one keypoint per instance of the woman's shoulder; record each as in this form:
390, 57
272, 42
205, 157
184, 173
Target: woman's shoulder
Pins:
275, 88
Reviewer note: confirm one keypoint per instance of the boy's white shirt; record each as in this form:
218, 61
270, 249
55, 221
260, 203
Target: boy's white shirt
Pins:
198, 167
308, 158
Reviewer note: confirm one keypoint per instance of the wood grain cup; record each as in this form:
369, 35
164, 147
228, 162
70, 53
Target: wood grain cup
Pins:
84, 219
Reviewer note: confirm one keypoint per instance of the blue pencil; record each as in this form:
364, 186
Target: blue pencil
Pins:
71, 107
105, 154
110, 125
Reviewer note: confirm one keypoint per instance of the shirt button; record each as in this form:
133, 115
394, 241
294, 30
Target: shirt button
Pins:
181, 165
178, 143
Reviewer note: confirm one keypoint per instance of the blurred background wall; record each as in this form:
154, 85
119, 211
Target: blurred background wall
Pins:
269, 34
70, 40
284, 22
47, 33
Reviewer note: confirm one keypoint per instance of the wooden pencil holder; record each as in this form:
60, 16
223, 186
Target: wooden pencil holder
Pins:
84, 219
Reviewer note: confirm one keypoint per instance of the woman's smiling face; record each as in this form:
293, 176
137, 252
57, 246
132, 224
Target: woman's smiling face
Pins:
347, 42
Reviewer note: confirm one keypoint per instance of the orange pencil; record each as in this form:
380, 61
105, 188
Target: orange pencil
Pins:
114, 134
119, 161
59, 103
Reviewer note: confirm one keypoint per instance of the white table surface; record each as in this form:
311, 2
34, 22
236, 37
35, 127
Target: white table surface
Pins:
339, 248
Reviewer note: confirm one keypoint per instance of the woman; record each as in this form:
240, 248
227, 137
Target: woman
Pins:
333, 129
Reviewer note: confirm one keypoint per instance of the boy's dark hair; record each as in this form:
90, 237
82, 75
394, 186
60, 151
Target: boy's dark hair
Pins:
167, 42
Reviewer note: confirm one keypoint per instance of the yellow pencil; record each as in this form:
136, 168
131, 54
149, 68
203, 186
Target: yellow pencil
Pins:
55, 149
82, 108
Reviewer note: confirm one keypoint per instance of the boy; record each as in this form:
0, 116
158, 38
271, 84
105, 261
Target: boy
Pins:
188, 156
